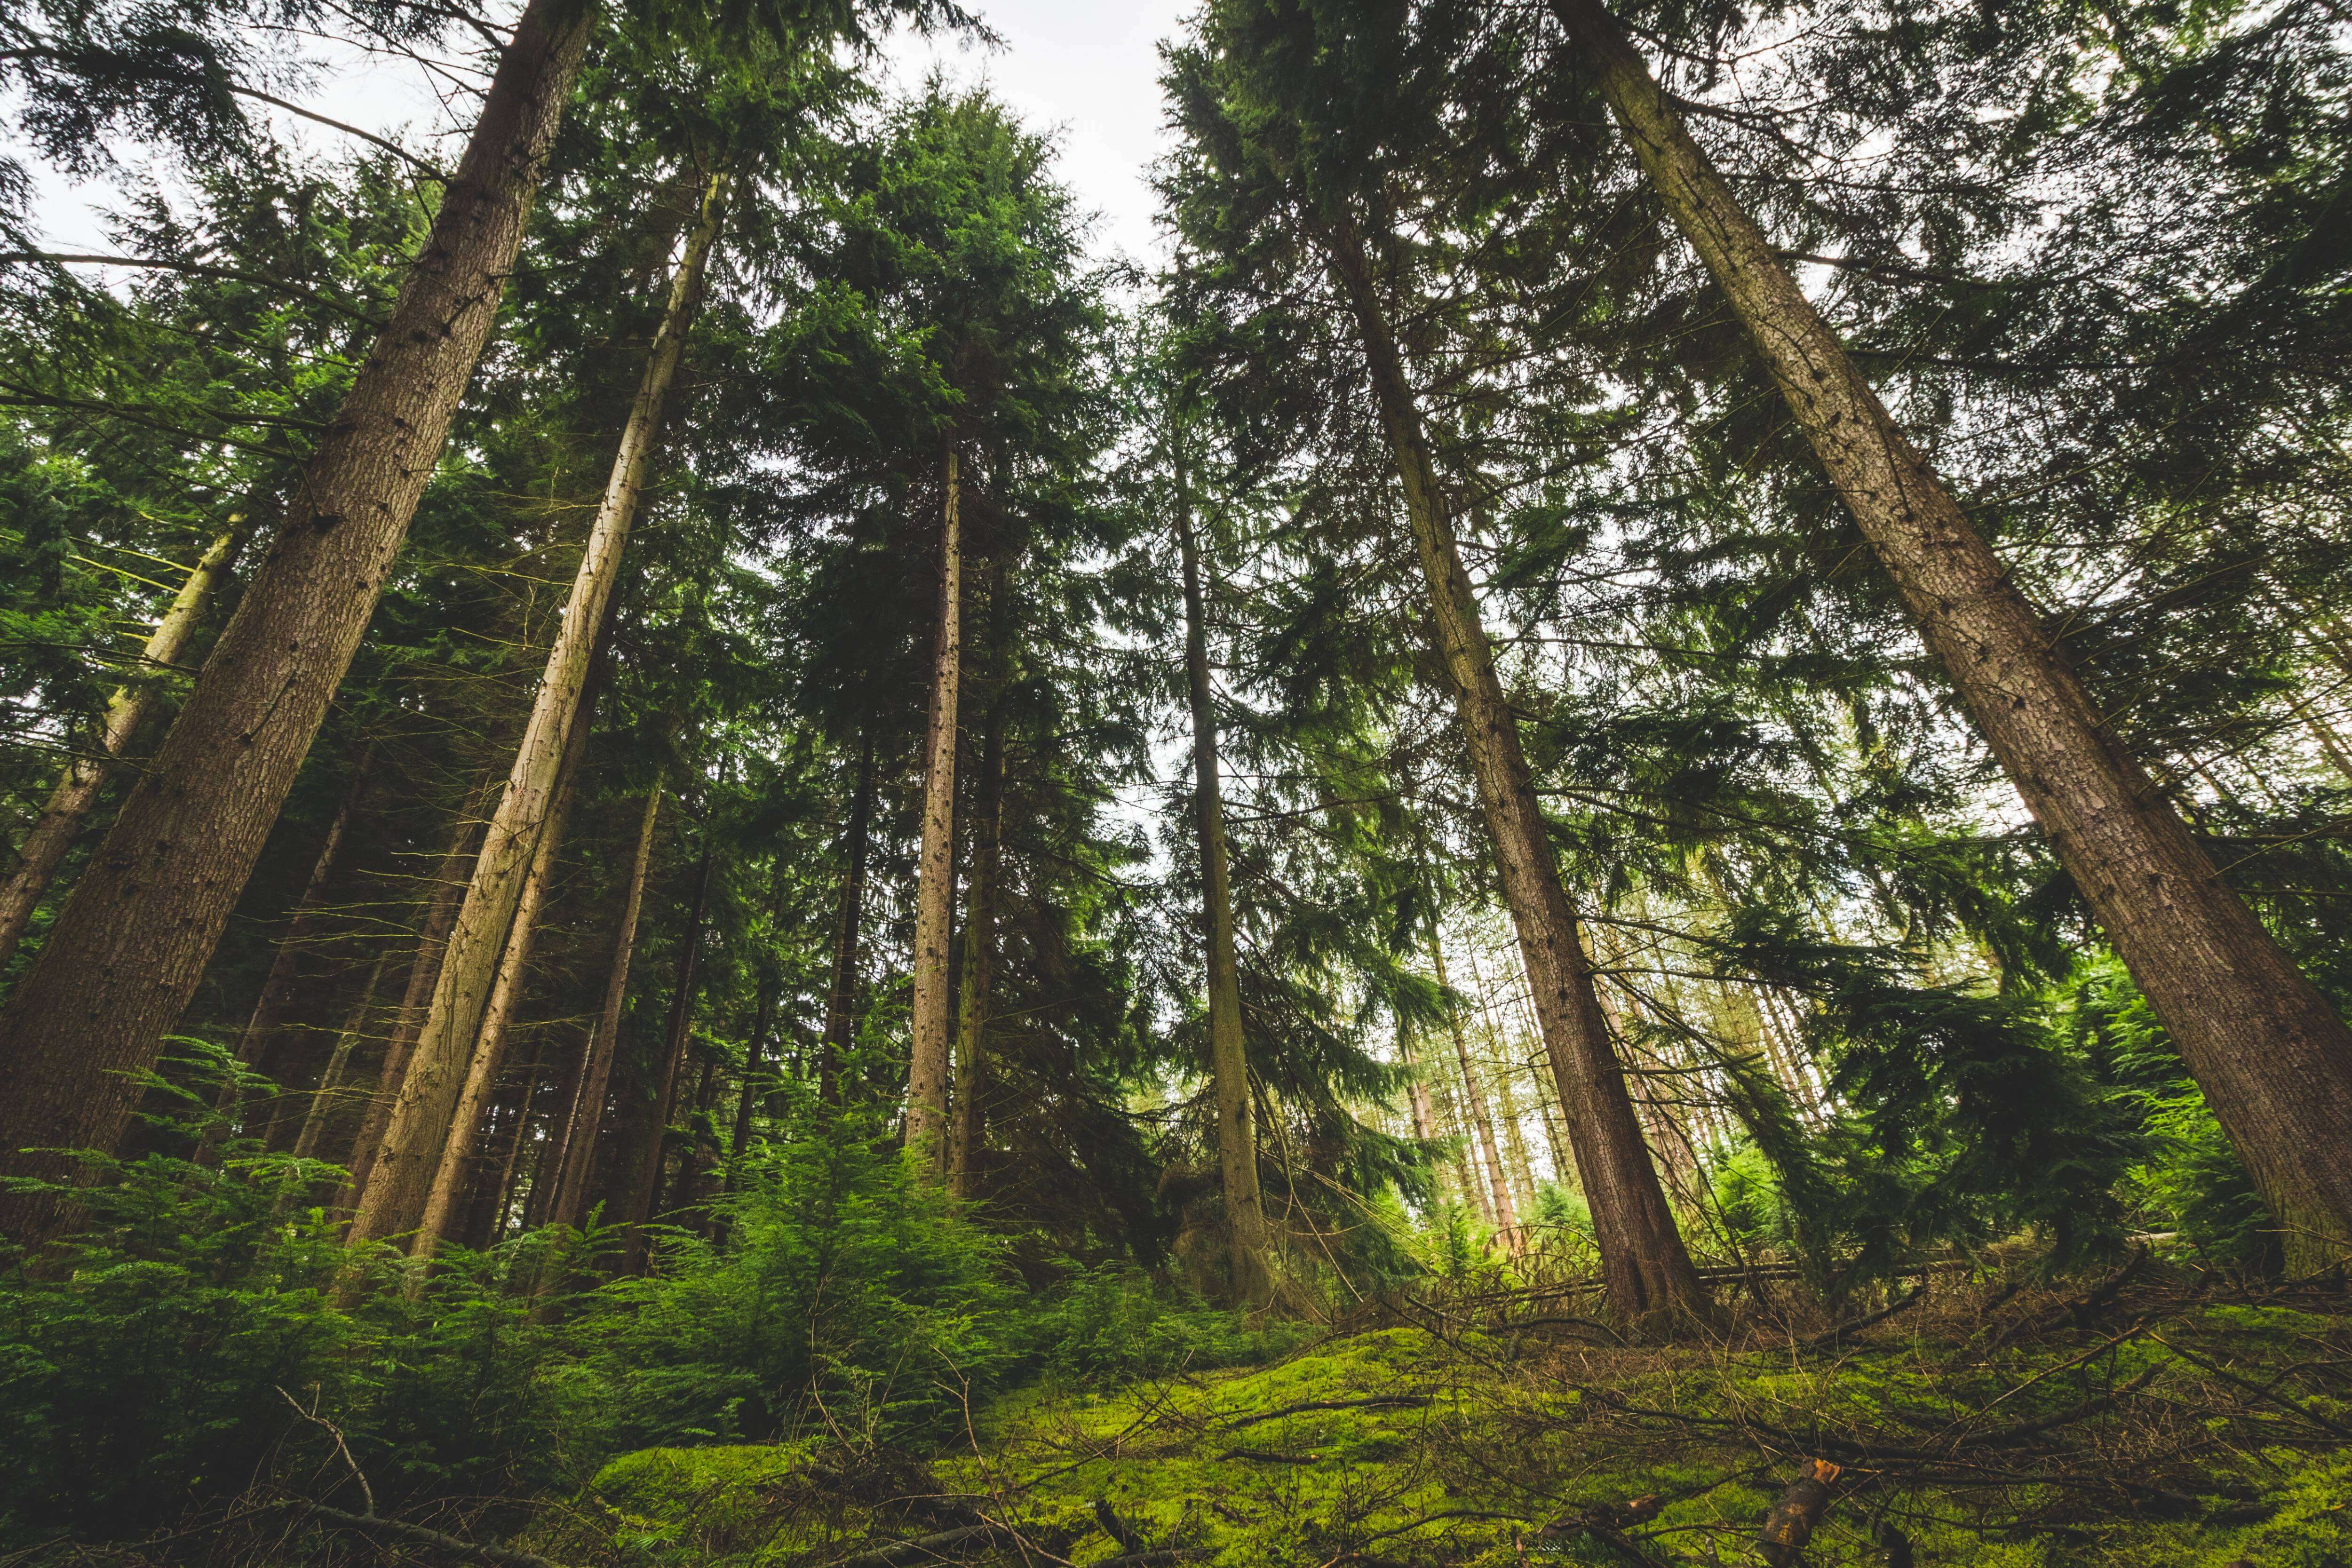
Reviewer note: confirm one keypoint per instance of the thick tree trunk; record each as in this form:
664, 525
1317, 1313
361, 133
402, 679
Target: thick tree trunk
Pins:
1499, 1202
132, 943
421, 1120
575, 1160
642, 1172
432, 941
968, 1126
1252, 1254
2273, 1058
927, 1068
482, 1072
68, 806
1643, 1259
841, 997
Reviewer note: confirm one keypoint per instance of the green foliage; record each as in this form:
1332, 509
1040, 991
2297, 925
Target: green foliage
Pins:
1112, 1324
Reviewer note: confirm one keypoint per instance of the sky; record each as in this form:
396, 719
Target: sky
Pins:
1086, 72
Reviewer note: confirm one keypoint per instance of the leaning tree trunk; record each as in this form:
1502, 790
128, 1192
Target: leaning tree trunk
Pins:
841, 994
482, 1072
432, 941
585, 1117
1250, 1257
322, 1099
640, 1173
1643, 1260
1498, 1188
2272, 1057
926, 1067
968, 1126
395, 1200
133, 942
68, 806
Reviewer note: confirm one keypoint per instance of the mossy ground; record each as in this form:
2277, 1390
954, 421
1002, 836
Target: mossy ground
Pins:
2165, 1425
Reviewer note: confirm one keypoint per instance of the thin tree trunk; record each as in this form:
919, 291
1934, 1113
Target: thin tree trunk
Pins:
968, 1126
68, 806
763, 1019
396, 1198
841, 997
331, 1079
432, 941
1646, 1267
927, 1071
2273, 1058
585, 1117
641, 1194
489, 1060
1498, 1187
1252, 1259
132, 943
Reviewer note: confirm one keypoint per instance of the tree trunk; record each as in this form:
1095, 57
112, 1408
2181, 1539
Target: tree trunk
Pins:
330, 1077
432, 941
68, 806
1252, 1254
927, 1070
133, 942
396, 1198
841, 998
1424, 1115
968, 1126
643, 1172
575, 1160
1643, 1259
482, 1072
1498, 1188
763, 1019
2273, 1058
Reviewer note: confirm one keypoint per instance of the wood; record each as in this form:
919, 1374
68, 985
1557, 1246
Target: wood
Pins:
1793, 1520
841, 994
132, 943
2272, 1057
968, 1126
927, 1068
330, 1077
1250, 1248
1646, 1268
639, 1185
127, 709
397, 1192
1499, 1203
584, 1118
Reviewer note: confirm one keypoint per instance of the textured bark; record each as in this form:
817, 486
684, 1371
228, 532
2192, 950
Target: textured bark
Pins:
584, 1118
641, 1172
841, 995
68, 806
421, 1119
1646, 1268
488, 1061
968, 1128
432, 940
927, 1068
2272, 1057
133, 942
1499, 1202
1251, 1257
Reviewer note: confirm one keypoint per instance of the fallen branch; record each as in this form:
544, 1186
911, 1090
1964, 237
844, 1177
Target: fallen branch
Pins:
1561, 1320
1379, 1402
1822, 1340
1795, 1517
899, 1553
1117, 1528
1263, 1457
400, 1530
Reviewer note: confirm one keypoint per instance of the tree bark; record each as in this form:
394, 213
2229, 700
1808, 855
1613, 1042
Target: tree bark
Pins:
68, 806
968, 1128
130, 945
432, 940
585, 1117
404, 1166
841, 998
1251, 1255
1646, 1268
927, 1070
2273, 1058
482, 1072
643, 1174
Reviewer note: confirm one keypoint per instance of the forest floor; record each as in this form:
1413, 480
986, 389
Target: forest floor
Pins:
2140, 1418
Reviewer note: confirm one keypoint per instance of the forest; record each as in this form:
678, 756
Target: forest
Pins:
1612, 826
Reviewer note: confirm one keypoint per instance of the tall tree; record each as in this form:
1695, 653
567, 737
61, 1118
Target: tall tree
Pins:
926, 1074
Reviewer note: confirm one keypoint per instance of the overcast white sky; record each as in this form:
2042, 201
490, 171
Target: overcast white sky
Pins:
1087, 73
